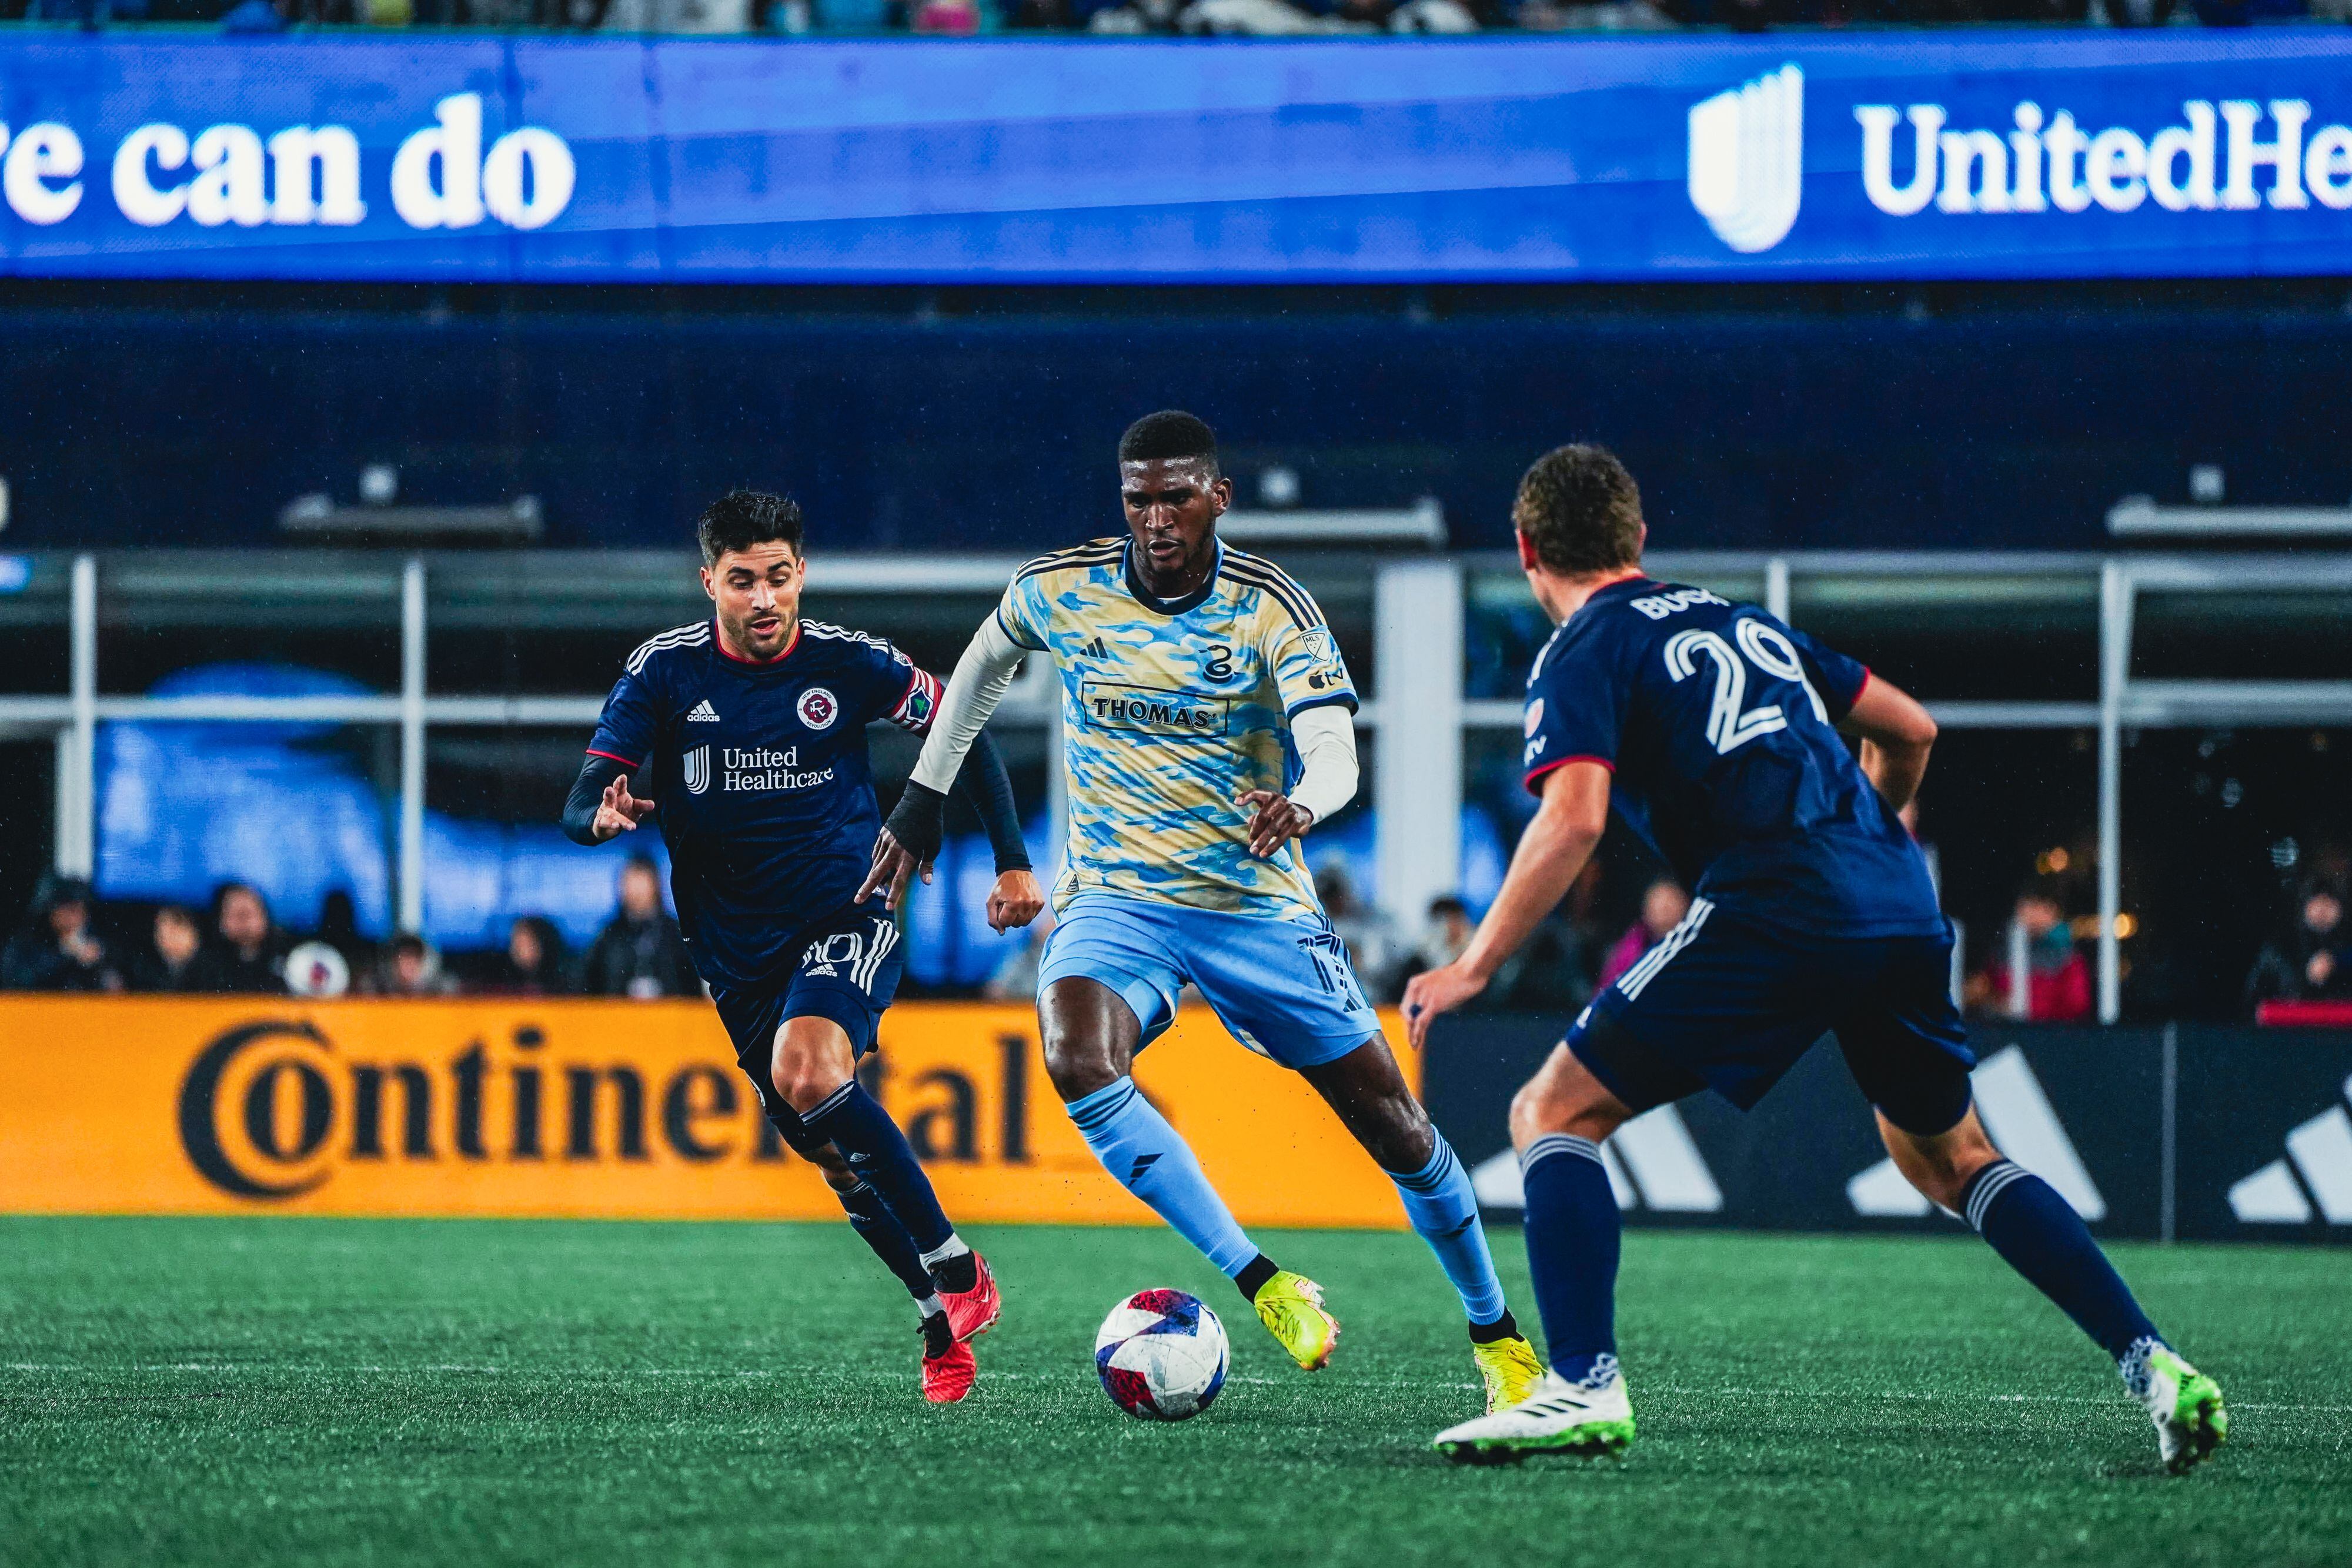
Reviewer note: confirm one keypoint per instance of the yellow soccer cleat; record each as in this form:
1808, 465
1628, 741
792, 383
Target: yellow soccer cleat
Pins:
1511, 1370
1291, 1307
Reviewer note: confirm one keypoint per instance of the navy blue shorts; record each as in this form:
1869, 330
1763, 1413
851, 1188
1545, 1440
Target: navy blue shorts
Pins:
848, 972
1729, 1004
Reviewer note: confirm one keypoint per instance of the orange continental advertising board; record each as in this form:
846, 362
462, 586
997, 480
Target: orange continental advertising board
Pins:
245, 1105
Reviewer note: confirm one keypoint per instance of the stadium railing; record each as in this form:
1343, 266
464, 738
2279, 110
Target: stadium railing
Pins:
1418, 705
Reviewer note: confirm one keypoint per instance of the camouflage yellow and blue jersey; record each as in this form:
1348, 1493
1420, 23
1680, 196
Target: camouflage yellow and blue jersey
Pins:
1171, 709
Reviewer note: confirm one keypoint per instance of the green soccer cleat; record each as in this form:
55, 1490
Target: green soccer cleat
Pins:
1291, 1307
2185, 1403
1510, 1369
1586, 1418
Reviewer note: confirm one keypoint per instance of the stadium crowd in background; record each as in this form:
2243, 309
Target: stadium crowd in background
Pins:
2310, 961
1137, 17
69, 942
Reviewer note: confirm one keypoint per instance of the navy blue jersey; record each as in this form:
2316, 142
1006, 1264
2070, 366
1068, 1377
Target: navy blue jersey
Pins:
1718, 726
760, 776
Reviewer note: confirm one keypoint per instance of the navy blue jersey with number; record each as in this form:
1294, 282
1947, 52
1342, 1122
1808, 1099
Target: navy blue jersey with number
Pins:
1718, 726
760, 778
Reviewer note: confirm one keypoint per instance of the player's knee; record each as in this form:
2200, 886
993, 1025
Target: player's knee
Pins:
805, 1077
1544, 1105
1078, 1066
1941, 1167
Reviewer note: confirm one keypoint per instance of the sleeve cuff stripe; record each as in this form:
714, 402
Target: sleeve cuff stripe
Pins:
1555, 765
1346, 699
613, 756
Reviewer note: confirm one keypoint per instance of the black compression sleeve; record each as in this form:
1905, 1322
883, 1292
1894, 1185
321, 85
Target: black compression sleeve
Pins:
983, 782
587, 794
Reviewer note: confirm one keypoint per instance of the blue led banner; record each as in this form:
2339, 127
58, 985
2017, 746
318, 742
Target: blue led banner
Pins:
1893, 156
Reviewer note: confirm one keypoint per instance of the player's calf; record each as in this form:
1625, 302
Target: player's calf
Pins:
2037, 1232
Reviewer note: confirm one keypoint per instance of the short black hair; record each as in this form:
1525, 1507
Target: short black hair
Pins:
1171, 433
1579, 510
742, 518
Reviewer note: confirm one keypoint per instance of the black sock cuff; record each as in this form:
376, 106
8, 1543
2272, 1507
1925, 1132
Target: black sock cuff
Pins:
1254, 1276
1504, 1327
956, 1274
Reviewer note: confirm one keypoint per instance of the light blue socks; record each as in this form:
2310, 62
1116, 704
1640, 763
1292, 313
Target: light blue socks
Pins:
1443, 1211
1139, 1147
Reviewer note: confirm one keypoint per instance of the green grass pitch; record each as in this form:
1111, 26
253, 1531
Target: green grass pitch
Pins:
323, 1391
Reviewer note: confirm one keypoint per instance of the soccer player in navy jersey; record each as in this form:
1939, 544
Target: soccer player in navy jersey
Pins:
745, 736
1714, 731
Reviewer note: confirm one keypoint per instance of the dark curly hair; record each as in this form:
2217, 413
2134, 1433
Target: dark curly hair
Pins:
1580, 511
1169, 433
742, 518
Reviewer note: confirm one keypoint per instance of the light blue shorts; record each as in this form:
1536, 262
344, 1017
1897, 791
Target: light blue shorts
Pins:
1283, 988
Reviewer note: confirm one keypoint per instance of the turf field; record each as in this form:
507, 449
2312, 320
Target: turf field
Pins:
327, 1392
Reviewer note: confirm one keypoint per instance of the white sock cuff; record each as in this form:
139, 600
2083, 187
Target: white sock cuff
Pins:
954, 1247
1552, 1143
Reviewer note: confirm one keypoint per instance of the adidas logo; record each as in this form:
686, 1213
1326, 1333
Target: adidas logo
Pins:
2320, 1152
1142, 1164
2018, 1117
1095, 650
703, 713
1651, 1161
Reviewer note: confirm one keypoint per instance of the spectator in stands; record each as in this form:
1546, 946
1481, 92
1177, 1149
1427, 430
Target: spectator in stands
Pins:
1369, 934
535, 964
57, 950
2058, 980
412, 968
640, 953
174, 960
2313, 961
247, 954
339, 927
1447, 935
1664, 904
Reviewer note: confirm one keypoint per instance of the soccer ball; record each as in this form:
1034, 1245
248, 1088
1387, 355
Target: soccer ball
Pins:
1161, 1356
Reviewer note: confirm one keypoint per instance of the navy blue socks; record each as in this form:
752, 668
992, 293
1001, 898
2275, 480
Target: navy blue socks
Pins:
851, 1121
1572, 1233
1139, 1147
890, 1241
2039, 1234
1444, 1212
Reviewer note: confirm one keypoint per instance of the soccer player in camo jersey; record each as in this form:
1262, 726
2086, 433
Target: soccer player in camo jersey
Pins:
1714, 731
745, 736
1206, 727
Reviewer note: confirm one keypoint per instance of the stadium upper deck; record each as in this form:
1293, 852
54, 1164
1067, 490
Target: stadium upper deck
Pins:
1167, 17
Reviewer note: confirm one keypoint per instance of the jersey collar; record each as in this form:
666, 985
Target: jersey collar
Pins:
1170, 607
718, 641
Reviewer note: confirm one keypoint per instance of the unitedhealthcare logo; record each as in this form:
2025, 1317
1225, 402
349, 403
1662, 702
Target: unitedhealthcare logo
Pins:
1748, 160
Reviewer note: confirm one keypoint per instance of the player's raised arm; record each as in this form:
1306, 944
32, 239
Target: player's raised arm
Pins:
910, 840
1551, 852
1897, 735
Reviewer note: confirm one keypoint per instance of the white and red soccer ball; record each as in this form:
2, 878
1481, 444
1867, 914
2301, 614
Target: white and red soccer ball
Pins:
1161, 1356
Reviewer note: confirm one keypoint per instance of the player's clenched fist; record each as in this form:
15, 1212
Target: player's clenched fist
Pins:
1015, 900
619, 812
